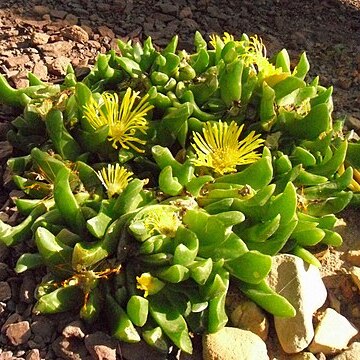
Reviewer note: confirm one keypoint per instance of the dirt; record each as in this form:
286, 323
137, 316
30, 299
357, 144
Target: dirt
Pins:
329, 32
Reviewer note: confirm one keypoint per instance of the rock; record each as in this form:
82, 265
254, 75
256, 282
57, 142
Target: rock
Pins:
304, 356
137, 350
56, 49
248, 316
105, 31
6, 355
18, 333
27, 289
355, 275
352, 353
40, 70
33, 354
233, 344
41, 9
71, 19
75, 33
20, 80
39, 38
74, 329
168, 8
353, 123
185, 12
17, 60
301, 284
5, 291
69, 348
101, 346
4, 250
353, 257
4, 269
43, 327
59, 65
332, 334
58, 14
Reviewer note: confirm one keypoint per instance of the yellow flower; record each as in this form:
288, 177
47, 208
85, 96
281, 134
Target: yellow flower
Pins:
255, 55
225, 39
162, 220
219, 147
114, 178
124, 120
150, 284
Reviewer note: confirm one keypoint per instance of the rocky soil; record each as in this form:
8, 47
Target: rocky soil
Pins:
44, 36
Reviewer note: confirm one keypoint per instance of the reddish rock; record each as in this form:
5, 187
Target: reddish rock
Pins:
39, 38
56, 49
59, 65
40, 70
105, 31
17, 60
101, 346
33, 354
75, 33
18, 333
74, 329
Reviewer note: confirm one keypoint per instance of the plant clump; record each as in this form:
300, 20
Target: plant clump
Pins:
163, 176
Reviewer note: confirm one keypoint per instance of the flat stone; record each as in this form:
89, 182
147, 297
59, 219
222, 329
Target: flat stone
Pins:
5, 291
233, 344
301, 284
18, 333
17, 60
57, 48
332, 334
352, 353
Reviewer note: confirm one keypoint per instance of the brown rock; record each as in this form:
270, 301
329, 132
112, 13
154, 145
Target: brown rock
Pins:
27, 289
40, 70
75, 33
101, 346
43, 327
59, 65
41, 9
185, 13
56, 49
58, 14
17, 61
353, 257
5, 150
69, 348
39, 38
71, 19
5, 291
105, 31
18, 333
6, 355
33, 354
74, 329
248, 316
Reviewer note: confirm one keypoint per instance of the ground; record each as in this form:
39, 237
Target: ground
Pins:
328, 30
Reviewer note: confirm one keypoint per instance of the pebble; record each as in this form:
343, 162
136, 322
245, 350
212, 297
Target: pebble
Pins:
56, 49
69, 348
75, 33
39, 38
33, 354
18, 333
74, 329
59, 65
332, 334
353, 257
233, 344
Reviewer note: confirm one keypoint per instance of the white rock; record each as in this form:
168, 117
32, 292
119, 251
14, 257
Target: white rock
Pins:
301, 284
332, 334
233, 344
352, 353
